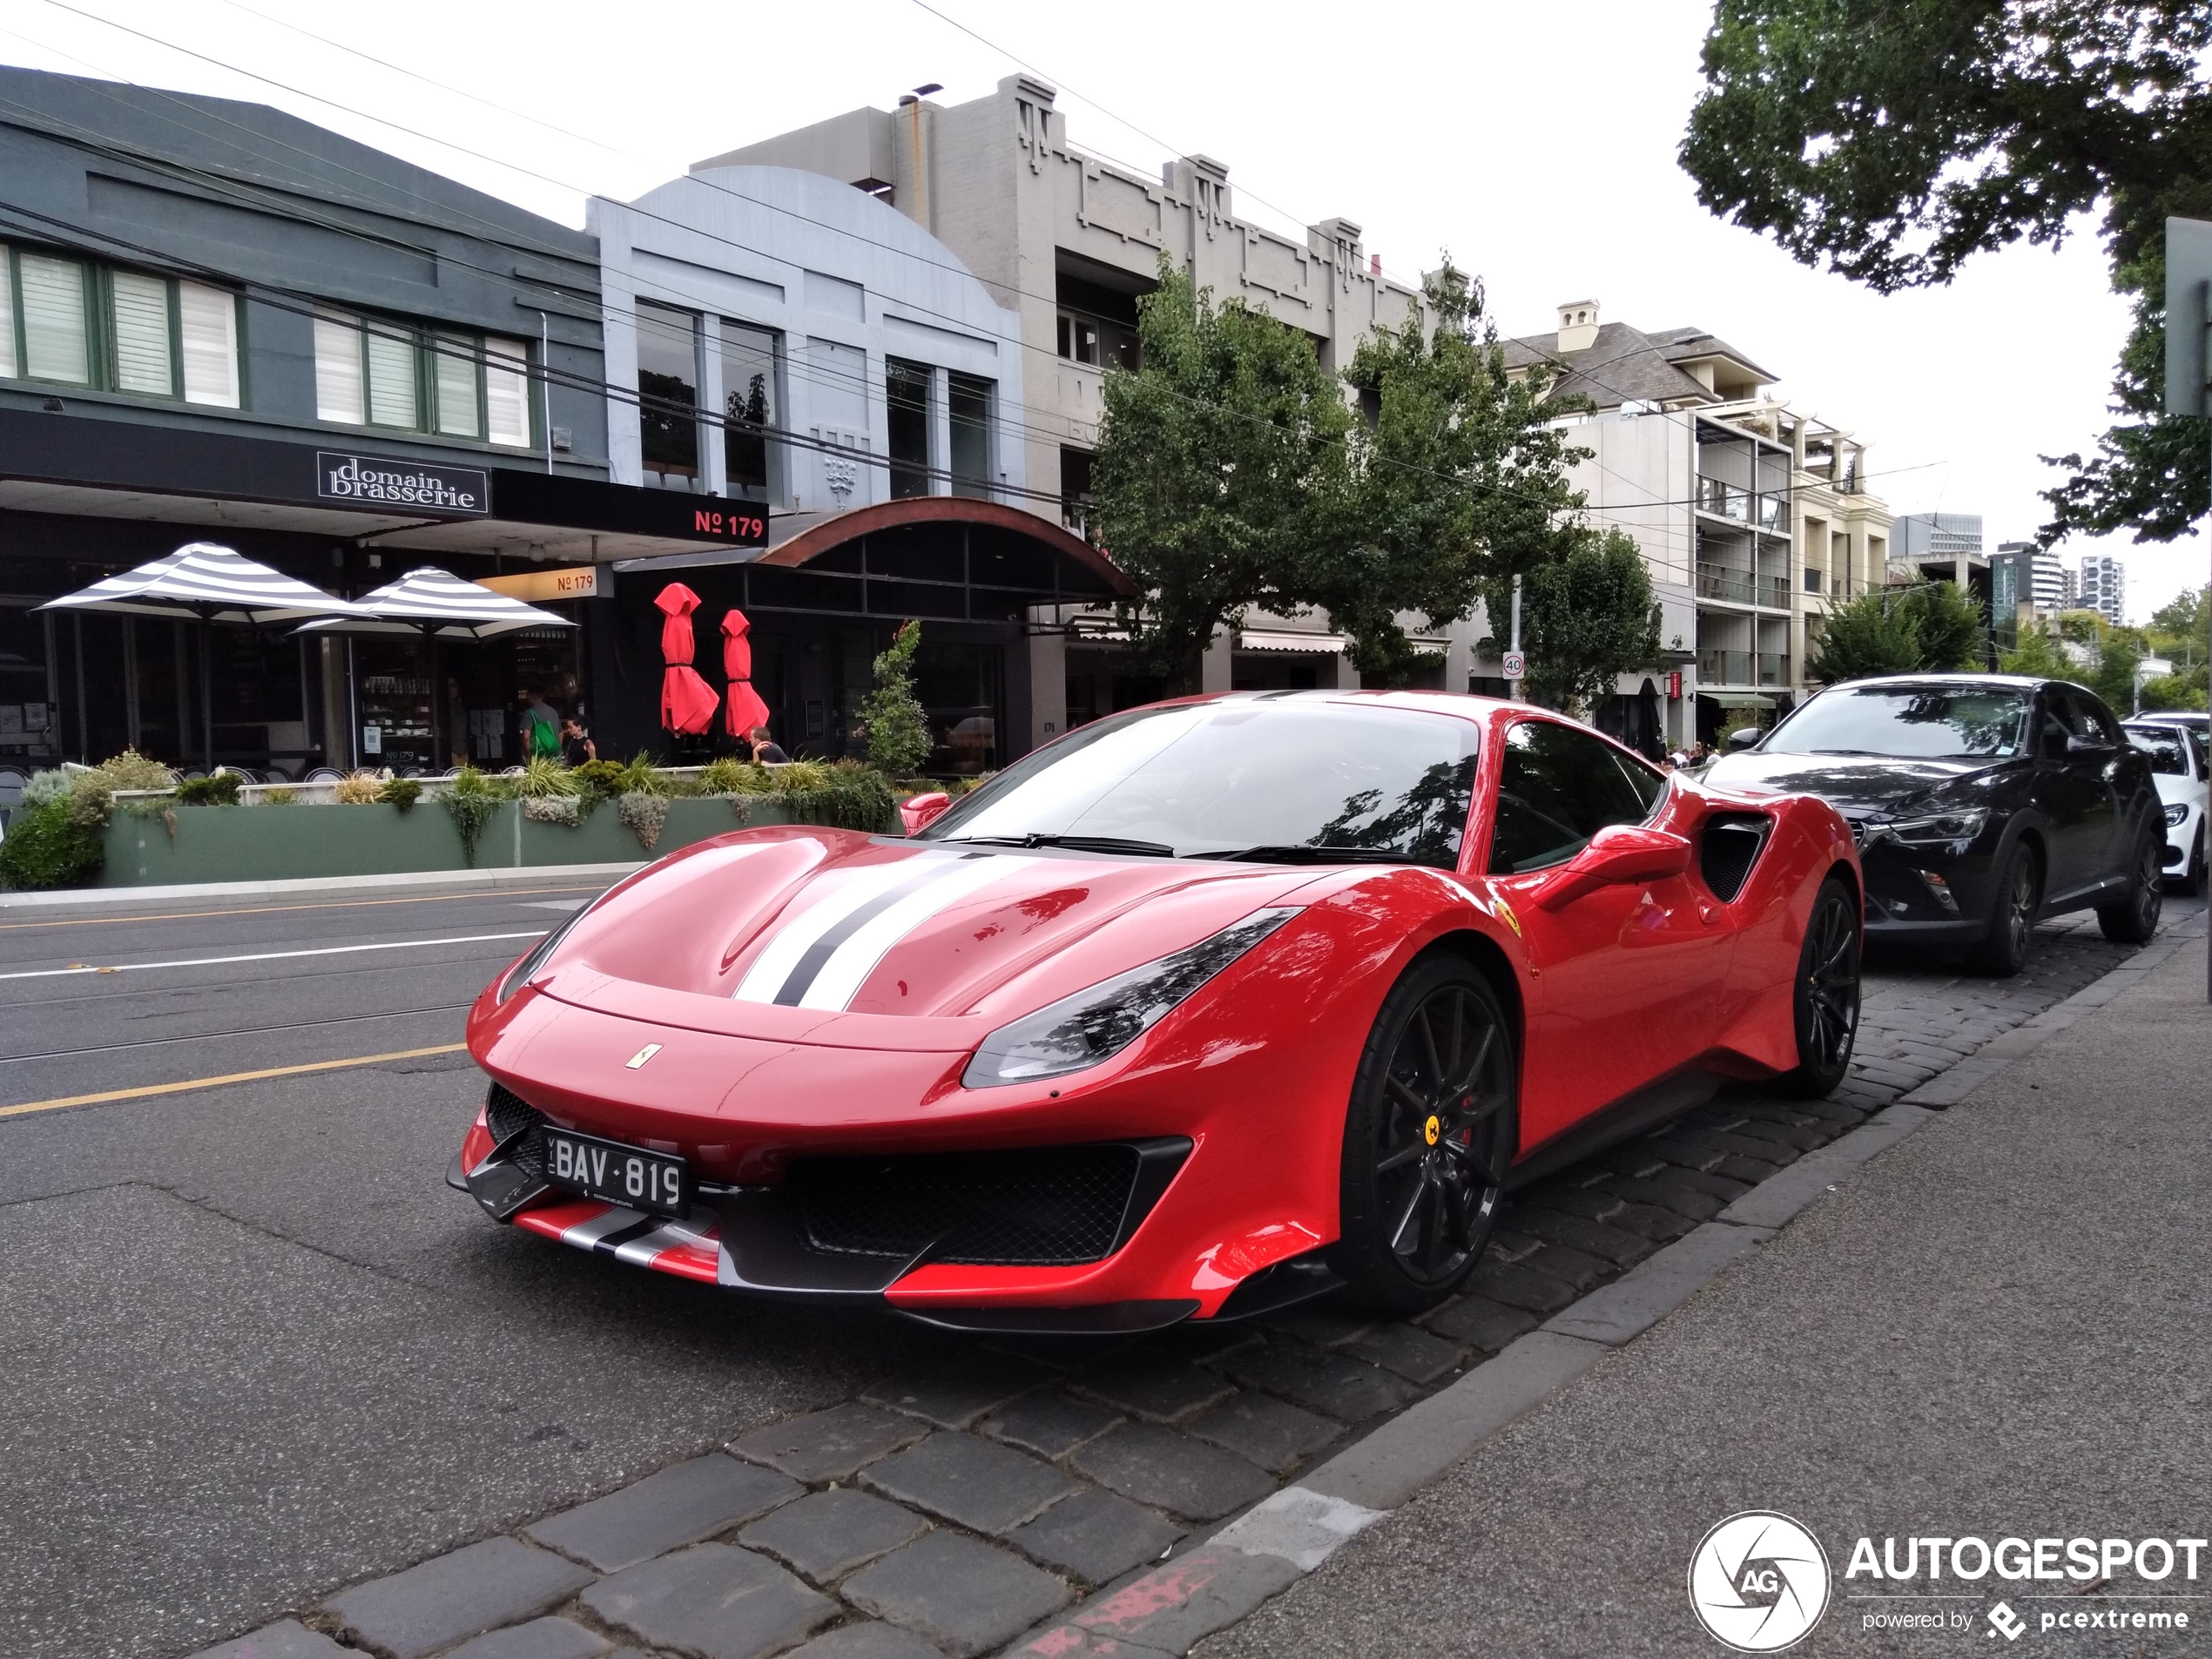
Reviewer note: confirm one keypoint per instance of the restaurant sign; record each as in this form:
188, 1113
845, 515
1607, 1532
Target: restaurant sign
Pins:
535, 587
408, 486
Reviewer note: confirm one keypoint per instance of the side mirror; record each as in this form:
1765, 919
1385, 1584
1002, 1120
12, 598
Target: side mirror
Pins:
2077, 747
1743, 737
1617, 855
916, 813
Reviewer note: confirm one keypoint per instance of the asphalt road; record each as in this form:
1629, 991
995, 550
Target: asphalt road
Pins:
253, 1347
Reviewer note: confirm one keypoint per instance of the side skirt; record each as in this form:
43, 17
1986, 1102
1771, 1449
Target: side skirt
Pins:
1630, 1116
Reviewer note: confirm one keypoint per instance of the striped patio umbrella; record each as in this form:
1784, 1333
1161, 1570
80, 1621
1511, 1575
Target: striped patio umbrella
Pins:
438, 605
210, 583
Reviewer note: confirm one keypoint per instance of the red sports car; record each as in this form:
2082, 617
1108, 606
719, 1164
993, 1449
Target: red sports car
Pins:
1202, 1008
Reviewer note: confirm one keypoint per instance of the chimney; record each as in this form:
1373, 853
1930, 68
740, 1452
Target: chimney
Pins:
914, 162
1578, 325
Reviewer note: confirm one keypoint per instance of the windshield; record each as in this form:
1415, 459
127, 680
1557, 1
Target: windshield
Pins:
1908, 722
1238, 776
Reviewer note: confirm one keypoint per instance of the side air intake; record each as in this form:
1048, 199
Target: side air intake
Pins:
1728, 846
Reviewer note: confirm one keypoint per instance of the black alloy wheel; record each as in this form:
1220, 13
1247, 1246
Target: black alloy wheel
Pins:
1824, 1000
1432, 1124
2133, 920
2003, 951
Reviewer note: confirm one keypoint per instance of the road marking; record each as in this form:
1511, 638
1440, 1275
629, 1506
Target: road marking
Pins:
228, 1077
272, 909
75, 969
237, 1031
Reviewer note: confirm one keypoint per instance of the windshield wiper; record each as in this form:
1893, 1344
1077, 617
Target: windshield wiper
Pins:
1077, 843
1302, 854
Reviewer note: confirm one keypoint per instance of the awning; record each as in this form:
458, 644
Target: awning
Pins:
1254, 640
1738, 699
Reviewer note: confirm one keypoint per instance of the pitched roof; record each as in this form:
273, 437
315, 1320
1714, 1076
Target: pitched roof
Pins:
1624, 363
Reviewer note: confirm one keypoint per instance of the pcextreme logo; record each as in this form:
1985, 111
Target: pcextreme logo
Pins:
1758, 1582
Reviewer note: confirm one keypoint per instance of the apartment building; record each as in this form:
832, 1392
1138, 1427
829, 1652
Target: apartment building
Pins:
1067, 243
2104, 587
1751, 517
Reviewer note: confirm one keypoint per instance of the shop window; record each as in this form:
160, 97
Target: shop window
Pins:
906, 391
375, 372
668, 397
1075, 488
74, 323
748, 411
970, 399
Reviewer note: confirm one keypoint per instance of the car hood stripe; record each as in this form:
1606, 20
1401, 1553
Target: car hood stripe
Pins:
871, 936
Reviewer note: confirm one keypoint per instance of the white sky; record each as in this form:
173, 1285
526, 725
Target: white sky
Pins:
1536, 142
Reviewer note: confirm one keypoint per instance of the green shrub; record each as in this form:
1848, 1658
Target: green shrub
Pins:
730, 776
45, 788
849, 796
544, 776
639, 772
553, 809
800, 778
401, 792
92, 800
132, 769
471, 801
898, 730
644, 813
221, 789
44, 847
278, 795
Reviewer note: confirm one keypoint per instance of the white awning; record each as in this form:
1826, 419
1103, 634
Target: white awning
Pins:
1326, 644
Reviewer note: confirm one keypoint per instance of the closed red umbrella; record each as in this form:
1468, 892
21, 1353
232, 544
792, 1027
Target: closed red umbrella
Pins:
742, 709
686, 701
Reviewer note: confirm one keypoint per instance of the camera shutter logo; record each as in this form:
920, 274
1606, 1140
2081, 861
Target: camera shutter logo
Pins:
1758, 1582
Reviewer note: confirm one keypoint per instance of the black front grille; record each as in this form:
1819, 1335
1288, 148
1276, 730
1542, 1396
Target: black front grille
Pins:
506, 1114
1728, 847
1041, 1206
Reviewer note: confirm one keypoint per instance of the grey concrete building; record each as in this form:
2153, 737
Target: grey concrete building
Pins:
1069, 242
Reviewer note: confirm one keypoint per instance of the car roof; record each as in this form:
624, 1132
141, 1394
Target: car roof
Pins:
2017, 682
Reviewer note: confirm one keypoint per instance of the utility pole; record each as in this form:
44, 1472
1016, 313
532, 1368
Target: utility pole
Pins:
1512, 687
2189, 375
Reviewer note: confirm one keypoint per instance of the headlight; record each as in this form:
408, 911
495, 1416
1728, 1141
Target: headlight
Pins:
1960, 828
1095, 1024
539, 952
2177, 812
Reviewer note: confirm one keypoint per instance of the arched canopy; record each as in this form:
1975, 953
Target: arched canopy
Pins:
915, 528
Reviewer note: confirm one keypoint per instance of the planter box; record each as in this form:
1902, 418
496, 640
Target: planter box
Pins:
278, 843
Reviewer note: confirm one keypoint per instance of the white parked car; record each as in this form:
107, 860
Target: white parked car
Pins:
2179, 766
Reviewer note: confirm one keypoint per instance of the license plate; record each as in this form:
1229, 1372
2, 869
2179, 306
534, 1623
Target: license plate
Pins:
655, 1181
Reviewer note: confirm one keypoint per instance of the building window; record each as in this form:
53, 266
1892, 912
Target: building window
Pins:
970, 400
906, 387
668, 397
373, 371
748, 411
1812, 580
73, 323
1075, 488
1078, 339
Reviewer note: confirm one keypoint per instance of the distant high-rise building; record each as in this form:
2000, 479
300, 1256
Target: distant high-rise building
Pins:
2069, 589
2104, 587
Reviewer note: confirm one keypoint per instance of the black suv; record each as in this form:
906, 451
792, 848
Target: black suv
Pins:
1980, 802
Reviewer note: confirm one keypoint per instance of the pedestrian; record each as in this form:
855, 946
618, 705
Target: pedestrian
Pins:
456, 724
766, 751
541, 727
577, 746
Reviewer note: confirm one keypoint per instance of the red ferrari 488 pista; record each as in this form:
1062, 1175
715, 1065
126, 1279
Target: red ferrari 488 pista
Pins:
1202, 1008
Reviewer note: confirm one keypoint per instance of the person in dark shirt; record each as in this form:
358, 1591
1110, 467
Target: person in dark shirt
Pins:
577, 746
766, 751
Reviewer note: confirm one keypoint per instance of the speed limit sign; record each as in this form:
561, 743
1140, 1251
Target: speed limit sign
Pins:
1516, 666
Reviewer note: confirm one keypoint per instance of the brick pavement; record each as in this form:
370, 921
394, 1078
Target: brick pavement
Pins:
957, 1510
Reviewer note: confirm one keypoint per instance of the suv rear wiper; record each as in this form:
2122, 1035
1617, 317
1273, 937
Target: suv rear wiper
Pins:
1302, 854
1077, 843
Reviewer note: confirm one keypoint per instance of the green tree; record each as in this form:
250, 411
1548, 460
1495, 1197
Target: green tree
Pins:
1222, 479
1863, 639
1892, 142
2039, 655
898, 730
2183, 615
1461, 477
1587, 616
1947, 626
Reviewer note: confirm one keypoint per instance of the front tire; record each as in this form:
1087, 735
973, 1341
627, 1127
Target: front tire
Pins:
2133, 920
1824, 1000
2003, 951
1432, 1124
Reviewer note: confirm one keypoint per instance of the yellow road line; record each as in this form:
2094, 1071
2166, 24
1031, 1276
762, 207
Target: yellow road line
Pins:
228, 1077
271, 909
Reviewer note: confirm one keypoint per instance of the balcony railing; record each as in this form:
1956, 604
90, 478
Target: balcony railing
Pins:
1774, 668
1742, 587
1773, 514
1738, 505
1774, 592
1724, 667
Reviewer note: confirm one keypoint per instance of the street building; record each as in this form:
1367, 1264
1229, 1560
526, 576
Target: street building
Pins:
222, 323
1067, 243
2103, 587
1752, 517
